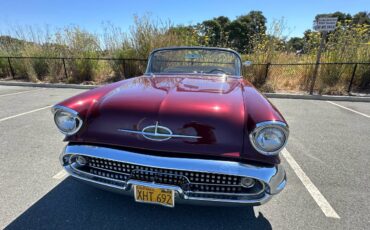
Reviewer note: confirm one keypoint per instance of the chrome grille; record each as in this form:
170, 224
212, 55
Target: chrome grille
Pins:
197, 183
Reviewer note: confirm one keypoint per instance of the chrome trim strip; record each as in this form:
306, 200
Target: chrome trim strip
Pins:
272, 176
226, 193
259, 201
147, 135
157, 134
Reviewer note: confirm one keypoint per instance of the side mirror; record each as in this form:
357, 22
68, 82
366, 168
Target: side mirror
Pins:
247, 63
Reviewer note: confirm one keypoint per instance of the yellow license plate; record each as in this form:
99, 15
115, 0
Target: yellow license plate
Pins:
154, 195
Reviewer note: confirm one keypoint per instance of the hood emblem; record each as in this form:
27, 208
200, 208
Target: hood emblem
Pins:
157, 133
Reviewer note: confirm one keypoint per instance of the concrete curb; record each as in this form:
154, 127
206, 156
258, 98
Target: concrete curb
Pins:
48, 85
269, 95
318, 97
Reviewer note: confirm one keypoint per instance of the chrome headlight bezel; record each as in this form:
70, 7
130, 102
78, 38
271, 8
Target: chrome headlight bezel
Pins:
56, 110
281, 126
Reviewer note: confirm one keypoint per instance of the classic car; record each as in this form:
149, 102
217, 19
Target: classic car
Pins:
190, 130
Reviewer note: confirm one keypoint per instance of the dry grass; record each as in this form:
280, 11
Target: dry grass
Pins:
350, 43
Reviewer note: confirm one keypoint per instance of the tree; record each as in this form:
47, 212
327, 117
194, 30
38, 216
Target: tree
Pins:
237, 32
184, 35
212, 30
295, 44
224, 23
244, 28
342, 17
361, 18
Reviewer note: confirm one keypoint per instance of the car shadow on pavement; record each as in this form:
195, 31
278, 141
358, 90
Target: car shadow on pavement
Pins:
74, 205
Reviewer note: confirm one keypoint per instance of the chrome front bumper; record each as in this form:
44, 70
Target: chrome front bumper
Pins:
272, 179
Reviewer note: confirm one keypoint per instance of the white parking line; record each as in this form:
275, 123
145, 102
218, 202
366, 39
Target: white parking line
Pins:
320, 200
26, 91
21, 114
60, 175
343, 107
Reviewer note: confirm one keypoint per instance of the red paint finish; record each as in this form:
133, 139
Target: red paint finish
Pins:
220, 110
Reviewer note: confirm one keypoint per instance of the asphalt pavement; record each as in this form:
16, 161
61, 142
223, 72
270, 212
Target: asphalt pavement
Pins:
327, 164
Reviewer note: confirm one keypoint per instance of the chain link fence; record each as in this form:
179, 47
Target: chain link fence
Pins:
332, 78
70, 70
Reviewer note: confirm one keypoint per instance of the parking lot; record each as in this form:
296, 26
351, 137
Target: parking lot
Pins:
327, 164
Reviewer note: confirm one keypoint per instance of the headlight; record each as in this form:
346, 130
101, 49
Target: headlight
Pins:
269, 137
67, 120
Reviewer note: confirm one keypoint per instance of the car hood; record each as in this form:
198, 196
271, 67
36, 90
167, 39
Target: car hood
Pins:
209, 108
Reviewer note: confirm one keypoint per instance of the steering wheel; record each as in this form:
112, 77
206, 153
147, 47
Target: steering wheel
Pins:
218, 70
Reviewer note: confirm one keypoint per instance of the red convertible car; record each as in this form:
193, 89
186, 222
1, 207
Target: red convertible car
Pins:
191, 130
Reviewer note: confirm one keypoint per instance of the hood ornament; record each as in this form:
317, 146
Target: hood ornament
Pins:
157, 133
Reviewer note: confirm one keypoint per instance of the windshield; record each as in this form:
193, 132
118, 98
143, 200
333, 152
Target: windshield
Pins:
194, 60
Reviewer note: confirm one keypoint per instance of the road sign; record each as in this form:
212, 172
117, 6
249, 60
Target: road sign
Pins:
325, 24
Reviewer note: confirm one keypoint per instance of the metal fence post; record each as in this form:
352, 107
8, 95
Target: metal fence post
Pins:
352, 77
124, 68
267, 70
11, 68
65, 69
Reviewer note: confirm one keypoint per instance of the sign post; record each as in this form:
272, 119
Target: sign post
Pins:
324, 25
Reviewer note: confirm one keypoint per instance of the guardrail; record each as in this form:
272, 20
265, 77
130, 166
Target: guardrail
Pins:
348, 75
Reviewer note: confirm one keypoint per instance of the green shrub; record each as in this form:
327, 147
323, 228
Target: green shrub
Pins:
4, 69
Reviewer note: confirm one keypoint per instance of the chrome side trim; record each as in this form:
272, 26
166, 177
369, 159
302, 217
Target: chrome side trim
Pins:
272, 176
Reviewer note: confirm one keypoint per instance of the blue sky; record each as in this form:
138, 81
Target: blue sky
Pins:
90, 15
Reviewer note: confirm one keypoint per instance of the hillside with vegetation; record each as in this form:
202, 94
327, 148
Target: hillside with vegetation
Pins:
249, 34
